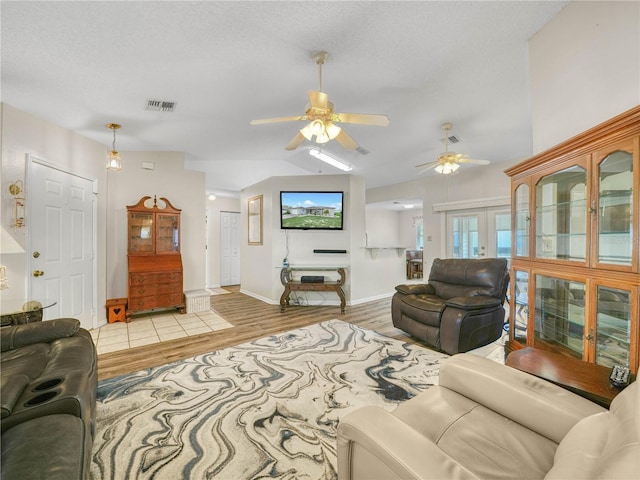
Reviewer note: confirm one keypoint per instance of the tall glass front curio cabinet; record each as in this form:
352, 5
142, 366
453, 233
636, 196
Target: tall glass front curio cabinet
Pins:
575, 265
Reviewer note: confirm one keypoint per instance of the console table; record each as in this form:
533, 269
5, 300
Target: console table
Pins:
294, 285
585, 379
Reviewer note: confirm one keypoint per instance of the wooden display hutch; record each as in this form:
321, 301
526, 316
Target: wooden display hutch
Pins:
155, 263
575, 265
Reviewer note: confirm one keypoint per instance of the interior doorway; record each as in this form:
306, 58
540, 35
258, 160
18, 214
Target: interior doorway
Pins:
61, 241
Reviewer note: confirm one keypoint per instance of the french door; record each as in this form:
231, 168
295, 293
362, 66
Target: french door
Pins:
479, 233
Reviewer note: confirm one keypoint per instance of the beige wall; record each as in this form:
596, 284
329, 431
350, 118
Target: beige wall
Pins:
585, 69
184, 189
22, 134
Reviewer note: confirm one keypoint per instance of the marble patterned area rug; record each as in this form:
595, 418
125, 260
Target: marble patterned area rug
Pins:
265, 409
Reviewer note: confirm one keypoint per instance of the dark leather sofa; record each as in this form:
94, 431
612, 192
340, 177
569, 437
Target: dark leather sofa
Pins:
459, 309
48, 393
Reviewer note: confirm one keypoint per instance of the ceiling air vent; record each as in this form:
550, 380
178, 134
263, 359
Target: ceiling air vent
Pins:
160, 106
453, 139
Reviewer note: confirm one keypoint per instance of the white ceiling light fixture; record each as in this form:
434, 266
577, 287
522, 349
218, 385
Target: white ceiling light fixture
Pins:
447, 167
114, 162
211, 196
334, 162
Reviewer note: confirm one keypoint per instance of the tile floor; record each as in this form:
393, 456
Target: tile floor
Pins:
155, 328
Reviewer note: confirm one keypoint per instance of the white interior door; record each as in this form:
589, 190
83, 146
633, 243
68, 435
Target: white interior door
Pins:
479, 233
229, 248
61, 242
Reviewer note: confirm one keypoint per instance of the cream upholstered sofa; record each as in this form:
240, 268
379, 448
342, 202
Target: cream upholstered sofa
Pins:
489, 421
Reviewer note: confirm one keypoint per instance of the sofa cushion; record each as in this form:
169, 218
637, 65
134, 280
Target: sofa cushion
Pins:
479, 439
416, 288
54, 447
473, 303
605, 445
10, 389
37, 332
29, 360
424, 308
453, 277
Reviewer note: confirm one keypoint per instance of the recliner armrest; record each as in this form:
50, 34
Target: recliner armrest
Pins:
473, 303
37, 332
415, 289
532, 402
390, 442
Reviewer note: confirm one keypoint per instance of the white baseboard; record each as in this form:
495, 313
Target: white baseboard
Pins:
259, 297
371, 299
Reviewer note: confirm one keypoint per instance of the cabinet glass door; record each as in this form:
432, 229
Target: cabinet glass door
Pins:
521, 307
613, 330
615, 208
561, 215
141, 232
522, 219
168, 233
559, 314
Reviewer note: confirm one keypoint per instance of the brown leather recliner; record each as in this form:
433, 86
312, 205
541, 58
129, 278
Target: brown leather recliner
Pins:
459, 309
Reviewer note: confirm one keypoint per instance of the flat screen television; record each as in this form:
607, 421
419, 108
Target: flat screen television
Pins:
311, 210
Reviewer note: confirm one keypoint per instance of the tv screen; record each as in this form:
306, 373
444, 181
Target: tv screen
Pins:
311, 210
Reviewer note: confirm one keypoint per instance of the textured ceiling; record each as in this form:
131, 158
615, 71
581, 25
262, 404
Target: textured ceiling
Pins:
81, 65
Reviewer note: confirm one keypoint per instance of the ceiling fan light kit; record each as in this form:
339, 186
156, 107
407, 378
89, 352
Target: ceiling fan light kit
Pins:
448, 162
322, 119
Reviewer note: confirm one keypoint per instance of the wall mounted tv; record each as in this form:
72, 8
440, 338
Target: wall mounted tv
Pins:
311, 210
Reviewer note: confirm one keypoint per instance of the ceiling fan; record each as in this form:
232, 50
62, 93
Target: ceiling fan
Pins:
322, 118
448, 162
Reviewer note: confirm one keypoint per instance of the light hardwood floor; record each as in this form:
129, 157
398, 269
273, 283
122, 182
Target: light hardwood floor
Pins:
252, 319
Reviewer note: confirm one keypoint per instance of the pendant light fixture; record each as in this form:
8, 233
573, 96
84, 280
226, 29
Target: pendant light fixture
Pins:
114, 162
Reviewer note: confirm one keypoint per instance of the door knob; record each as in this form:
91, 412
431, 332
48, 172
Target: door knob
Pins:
38, 273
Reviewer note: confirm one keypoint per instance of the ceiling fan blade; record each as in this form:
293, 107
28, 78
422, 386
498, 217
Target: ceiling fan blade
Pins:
428, 164
346, 141
364, 119
276, 120
297, 140
471, 160
427, 167
318, 99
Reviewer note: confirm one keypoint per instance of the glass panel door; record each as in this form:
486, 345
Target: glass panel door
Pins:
613, 331
521, 307
561, 215
559, 314
464, 236
615, 209
522, 221
168, 233
141, 232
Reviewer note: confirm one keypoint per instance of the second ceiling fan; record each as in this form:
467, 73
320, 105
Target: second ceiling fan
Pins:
448, 162
323, 120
